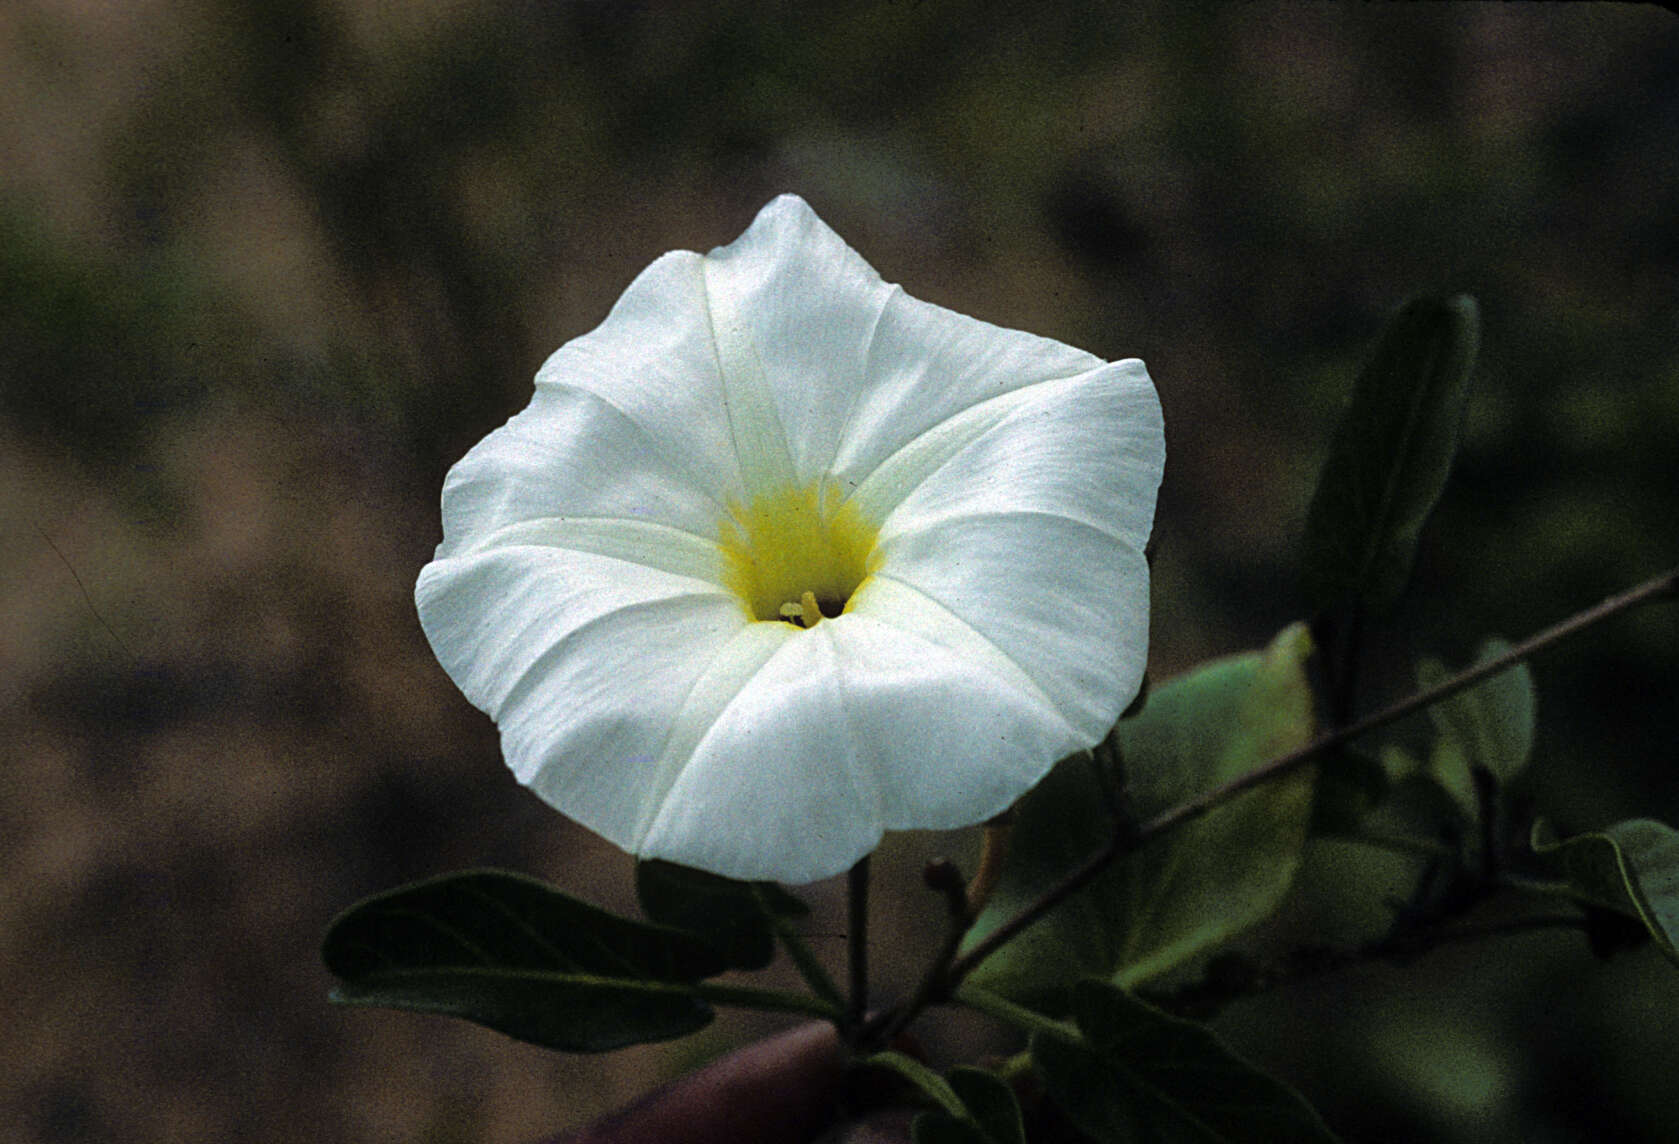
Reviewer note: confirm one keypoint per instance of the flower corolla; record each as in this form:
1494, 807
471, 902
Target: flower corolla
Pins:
779, 558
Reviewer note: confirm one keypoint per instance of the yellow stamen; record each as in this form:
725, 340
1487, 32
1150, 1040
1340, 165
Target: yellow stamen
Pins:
796, 555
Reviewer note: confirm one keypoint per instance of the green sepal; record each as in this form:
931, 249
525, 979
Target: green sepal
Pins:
733, 917
1137, 1073
1390, 457
520, 957
1185, 892
1631, 868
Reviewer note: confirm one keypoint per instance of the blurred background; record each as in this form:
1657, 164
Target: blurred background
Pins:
268, 269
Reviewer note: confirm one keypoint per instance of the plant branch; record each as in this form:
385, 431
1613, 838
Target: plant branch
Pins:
857, 941
1204, 998
1660, 587
1118, 843
994, 850
941, 876
1664, 586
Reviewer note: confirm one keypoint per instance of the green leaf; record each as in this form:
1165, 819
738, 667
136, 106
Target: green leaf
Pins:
1139, 1074
933, 1086
1631, 867
1350, 785
733, 917
1390, 457
521, 957
1489, 725
992, 1113
1185, 892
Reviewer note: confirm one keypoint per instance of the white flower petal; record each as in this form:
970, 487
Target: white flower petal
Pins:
797, 309
772, 789
654, 361
895, 716
969, 728
573, 453
928, 364
1087, 446
585, 591
890, 367
1026, 516
655, 546
583, 661
1063, 601
851, 728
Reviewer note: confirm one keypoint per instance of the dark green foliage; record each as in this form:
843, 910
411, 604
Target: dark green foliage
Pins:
1197, 886
518, 956
1390, 457
1488, 728
1138, 1074
733, 917
993, 1114
1631, 868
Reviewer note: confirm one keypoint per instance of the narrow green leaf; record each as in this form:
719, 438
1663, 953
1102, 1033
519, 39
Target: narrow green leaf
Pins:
1631, 867
933, 1086
733, 917
991, 1115
1489, 725
991, 1103
1139, 1074
521, 957
1190, 890
1390, 457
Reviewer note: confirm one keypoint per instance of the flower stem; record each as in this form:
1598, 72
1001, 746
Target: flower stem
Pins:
809, 966
942, 876
857, 941
1123, 841
993, 850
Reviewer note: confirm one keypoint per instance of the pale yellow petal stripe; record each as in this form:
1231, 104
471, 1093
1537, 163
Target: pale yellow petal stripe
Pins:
641, 542
900, 605
766, 464
730, 670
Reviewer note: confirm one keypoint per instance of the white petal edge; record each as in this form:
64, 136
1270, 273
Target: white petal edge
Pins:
639, 542
856, 726
571, 452
654, 360
583, 661
1065, 602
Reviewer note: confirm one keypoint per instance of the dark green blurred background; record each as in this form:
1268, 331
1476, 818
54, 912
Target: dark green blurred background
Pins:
268, 269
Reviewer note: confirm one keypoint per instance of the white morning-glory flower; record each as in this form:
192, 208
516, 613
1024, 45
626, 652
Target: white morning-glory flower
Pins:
779, 557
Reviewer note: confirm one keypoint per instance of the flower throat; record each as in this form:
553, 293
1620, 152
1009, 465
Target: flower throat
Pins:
797, 555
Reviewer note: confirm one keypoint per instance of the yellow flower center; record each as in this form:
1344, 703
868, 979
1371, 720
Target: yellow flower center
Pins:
797, 555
